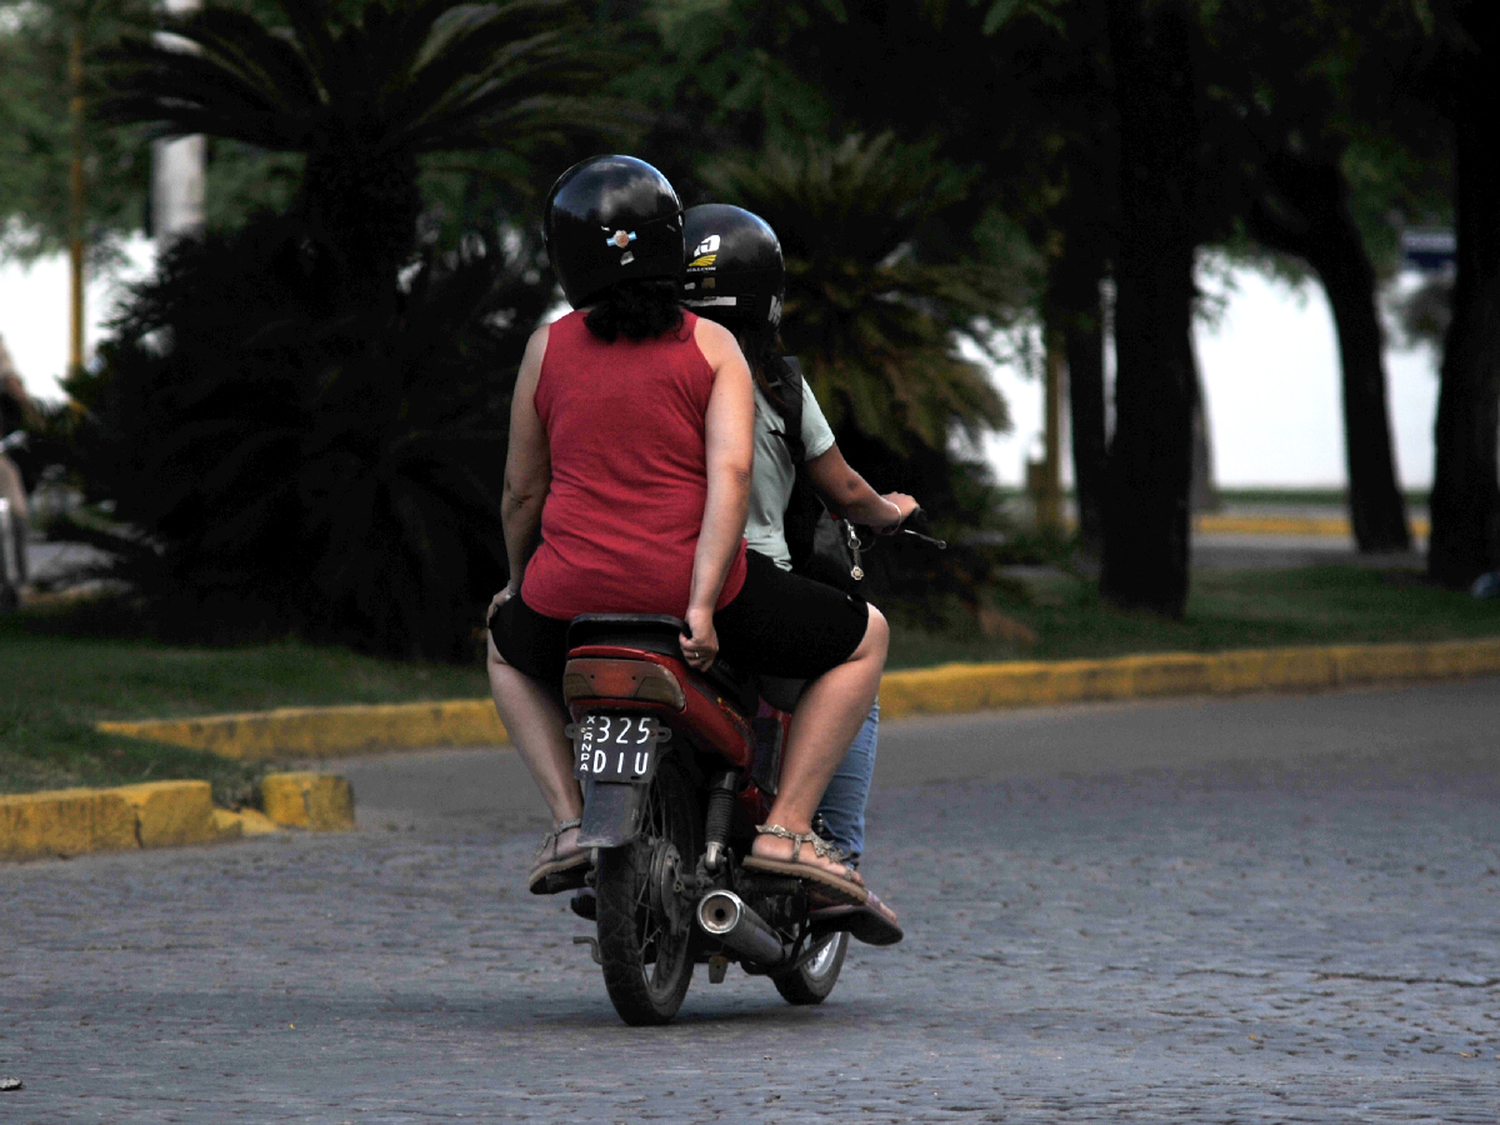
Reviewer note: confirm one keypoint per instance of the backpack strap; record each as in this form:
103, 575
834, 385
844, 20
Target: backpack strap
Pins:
787, 401
804, 509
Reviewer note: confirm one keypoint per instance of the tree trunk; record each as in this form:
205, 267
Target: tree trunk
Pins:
1465, 496
1377, 509
363, 205
1203, 492
1073, 309
1145, 562
1311, 218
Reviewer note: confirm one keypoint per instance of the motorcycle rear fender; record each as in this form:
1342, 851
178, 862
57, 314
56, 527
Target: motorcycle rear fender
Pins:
611, 813
607, 676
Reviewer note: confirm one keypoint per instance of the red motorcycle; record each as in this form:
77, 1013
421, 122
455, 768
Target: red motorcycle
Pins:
677, 768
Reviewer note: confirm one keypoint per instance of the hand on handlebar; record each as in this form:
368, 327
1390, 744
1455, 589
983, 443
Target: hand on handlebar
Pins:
702, 648
905, 504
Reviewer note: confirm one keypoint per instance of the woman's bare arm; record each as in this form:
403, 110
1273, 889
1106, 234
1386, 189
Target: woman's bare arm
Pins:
729, 446
528, 465
848, 495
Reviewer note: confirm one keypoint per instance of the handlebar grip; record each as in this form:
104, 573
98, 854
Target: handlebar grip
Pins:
917, 524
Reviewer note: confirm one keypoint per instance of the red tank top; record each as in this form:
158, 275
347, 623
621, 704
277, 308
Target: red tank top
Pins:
625, 430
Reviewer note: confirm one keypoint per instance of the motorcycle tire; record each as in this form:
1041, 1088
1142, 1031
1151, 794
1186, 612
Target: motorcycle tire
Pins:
813, 980
645, 928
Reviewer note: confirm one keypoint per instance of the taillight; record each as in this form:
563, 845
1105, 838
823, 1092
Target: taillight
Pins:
600, 678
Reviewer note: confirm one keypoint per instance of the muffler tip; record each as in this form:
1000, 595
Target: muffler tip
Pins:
719, 912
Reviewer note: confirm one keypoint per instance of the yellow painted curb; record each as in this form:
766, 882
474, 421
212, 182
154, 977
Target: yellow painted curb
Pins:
246, 822
1336, 527
230, 825
311, 732
322, 732
65, 822
161, 814
169, 813
978, 687
319, 801
74, 821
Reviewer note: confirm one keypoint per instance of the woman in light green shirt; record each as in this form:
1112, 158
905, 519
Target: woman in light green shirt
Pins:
735, 276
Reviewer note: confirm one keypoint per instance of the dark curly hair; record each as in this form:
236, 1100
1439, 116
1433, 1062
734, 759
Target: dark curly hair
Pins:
638, 310
762, 350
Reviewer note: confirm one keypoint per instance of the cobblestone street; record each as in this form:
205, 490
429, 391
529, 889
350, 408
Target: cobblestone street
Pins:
1254, 910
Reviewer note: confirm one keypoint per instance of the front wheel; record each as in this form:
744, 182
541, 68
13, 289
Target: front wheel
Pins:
644, 920
812, 981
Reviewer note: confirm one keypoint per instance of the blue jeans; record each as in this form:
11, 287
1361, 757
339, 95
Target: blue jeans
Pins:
843, 806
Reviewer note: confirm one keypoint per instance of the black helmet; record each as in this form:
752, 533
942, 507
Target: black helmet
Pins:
609, 219
735, 274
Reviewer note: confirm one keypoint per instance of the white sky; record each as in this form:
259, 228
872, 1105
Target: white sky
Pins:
1271, 376
1270, 369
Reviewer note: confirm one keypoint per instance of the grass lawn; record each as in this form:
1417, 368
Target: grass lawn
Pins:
55, 686
1227, 609
54, 683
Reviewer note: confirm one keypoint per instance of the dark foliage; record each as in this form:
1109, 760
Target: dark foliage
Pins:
364, 97
285, 466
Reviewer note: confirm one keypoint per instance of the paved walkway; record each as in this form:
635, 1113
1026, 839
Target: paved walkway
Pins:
1253, 910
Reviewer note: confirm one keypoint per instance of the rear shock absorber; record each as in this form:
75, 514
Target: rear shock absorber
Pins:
720, 814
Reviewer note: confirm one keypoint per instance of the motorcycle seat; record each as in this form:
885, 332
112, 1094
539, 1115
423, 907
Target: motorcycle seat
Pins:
658, 632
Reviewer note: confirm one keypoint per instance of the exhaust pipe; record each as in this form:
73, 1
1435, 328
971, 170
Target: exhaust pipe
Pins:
724, 915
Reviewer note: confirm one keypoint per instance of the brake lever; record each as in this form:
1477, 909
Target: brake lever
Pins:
940, 544
919, 514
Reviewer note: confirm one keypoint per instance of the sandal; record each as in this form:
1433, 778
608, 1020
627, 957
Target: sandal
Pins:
551, 872
825, 887
873, 923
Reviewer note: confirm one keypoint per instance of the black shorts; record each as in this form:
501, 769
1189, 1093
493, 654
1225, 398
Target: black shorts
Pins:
780, 623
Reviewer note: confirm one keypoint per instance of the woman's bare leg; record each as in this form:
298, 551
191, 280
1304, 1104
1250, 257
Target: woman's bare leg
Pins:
827, 718
535, 725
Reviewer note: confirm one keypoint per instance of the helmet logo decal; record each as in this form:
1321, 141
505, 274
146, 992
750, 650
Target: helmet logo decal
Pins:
702, 263
774, 317
708, 246
620, 238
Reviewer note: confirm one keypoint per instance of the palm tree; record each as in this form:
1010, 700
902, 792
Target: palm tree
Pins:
877, 328
301, 423
364, 100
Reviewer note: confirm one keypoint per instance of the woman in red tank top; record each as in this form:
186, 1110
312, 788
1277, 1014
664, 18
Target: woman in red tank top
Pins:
626, 426
626, 490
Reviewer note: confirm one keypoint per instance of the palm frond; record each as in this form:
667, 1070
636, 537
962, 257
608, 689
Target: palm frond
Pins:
877, 329
426, 77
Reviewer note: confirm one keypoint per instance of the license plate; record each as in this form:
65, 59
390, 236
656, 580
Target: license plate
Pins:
617, 747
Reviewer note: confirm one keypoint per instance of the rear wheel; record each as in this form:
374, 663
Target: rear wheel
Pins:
813, 980
645, 923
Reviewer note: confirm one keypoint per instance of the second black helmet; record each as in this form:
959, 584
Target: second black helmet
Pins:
735, 273
610, 219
